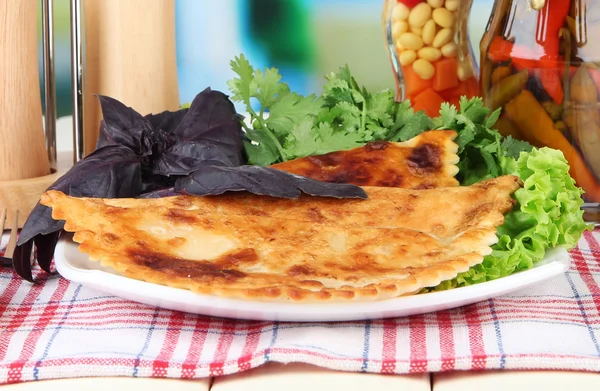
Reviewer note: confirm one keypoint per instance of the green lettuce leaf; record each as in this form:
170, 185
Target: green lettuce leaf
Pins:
547, 215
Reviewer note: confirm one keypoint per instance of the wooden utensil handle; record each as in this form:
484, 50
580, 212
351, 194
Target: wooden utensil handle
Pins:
130, 56
22, 145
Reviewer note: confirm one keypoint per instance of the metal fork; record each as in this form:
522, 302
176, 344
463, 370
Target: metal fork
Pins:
12, 240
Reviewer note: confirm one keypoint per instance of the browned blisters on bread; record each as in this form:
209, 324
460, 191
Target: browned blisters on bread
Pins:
425, 186
269, 231
181, 267
474, 216
295, 293
364, 260
347, 295
426, 157
376, 145
270, 292
176, 242
388, 288
438, 229
348, 173
336, 266
141, 243
435, 253
392, 179
257, 212
114, 210
299, 294
207, 223
300, 270
315, 215
331, 159
404, 208
239, 258
183, 202
369, 291
311, 284
178, 216
384, 163
109, 238
352, 278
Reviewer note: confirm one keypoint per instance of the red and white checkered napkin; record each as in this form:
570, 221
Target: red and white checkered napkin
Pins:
59, 329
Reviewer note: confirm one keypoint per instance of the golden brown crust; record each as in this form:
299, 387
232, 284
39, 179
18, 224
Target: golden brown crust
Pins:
212, 247
423, 162
441, 211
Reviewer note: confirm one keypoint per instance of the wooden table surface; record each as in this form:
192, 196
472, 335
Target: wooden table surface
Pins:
302, 377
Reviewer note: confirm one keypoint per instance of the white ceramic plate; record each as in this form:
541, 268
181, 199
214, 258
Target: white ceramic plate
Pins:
76, 266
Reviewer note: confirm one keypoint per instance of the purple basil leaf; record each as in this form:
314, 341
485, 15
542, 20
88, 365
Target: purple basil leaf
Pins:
186, 157
22, 260
152, 182
45, 245
167, 121
214, 180
209, 110
109, 172
209, 133
161, 141
122, 125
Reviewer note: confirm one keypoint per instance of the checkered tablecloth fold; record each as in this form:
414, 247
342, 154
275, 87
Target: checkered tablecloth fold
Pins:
59, 329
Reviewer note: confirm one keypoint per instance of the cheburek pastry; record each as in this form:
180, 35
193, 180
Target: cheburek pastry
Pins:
285, 254
423, 162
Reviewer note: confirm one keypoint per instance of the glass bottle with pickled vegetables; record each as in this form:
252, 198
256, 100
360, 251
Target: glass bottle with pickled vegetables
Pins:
430, 51
540, 65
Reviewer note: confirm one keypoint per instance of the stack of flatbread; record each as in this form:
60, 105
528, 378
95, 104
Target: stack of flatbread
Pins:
416, 229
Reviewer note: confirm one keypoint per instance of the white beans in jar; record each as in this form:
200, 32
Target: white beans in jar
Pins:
410, 41
407, 57
428, 33
399, 28
424, 69
443, 17
450, 49
435, 3
452, 5
400, 12
429, 54
419, 15
441, 38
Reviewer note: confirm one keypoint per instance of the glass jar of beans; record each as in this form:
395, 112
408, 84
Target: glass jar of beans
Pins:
430, 51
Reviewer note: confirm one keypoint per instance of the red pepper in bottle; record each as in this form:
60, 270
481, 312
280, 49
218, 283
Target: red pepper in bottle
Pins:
501, 50
551, 18
410, 3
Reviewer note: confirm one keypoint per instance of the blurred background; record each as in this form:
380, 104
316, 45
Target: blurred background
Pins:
304, 39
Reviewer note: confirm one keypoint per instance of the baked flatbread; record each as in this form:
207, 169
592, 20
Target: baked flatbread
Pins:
423, 162
443, 211
284, 253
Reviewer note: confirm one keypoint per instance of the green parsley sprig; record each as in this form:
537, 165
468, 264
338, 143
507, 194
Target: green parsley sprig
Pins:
346, 115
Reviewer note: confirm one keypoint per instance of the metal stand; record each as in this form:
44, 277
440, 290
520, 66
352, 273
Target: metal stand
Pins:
50, 79
77, 80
